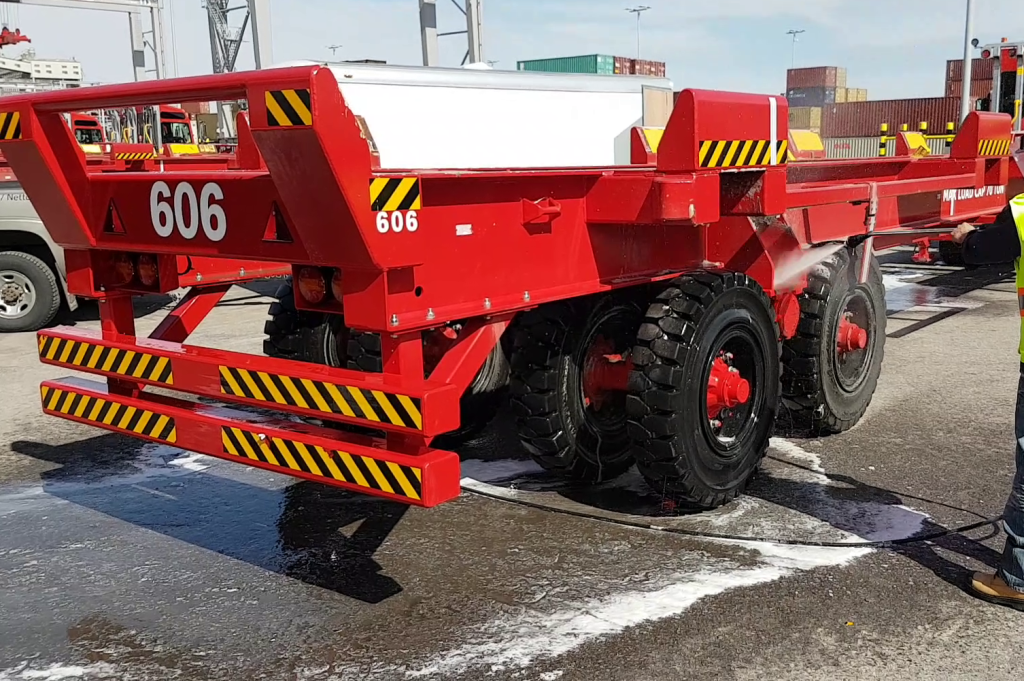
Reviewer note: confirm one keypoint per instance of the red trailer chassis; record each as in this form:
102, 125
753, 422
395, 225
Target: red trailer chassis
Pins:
437, 264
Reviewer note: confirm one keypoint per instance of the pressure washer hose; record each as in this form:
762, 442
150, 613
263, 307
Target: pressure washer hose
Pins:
881, 544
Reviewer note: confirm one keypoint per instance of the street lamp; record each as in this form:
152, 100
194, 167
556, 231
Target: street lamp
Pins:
638, 11
966, 79
794, 33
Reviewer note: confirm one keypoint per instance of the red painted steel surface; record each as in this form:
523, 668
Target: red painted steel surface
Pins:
198, 370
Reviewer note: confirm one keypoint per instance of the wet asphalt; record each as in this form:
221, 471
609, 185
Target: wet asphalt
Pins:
123, 560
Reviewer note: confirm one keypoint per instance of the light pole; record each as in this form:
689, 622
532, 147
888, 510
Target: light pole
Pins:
966, 79
638, 11
794, 33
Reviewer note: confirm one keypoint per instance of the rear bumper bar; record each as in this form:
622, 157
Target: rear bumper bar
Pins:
427, 479
369, 400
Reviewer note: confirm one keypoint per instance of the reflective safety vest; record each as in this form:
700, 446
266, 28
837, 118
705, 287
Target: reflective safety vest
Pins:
1017, 209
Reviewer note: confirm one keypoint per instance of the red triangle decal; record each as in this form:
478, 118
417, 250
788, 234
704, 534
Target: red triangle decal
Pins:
113, 224
277, 229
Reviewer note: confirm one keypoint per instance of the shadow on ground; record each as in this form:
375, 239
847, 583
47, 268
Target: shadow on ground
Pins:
321, 535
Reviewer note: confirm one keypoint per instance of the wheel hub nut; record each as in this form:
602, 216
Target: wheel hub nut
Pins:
11, 293
726, 388
851, 337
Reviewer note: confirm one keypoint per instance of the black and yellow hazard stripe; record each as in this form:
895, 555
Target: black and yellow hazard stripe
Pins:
92, 357
374, 406
395, 193
993, 147
741, 153
362, 471
134, 155
288, 108
10, 125
110, 413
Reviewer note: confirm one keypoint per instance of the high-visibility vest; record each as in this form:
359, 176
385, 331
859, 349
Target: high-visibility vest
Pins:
1017, 209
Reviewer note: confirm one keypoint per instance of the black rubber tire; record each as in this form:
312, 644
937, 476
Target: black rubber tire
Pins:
550, 347
677, 451
324, 339
951, 253
814, 398
304, 336
47, 292
478, 405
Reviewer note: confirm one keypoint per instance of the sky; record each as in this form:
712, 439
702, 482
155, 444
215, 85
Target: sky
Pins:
894, 48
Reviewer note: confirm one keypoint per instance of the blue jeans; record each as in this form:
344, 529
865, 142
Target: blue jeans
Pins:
1011, 567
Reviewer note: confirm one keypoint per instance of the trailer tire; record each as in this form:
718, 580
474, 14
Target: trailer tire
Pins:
478, 405
827, 391
303, 336
951, 253
685, 449
559, 426
29, 293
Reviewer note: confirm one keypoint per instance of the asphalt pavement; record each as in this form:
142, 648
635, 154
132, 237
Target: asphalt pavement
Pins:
125, 560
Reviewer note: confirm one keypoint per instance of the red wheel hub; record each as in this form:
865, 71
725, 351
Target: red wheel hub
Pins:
726, 388
851, 337
604, 372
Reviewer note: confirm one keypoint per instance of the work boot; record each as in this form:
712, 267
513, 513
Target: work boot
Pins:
993, 589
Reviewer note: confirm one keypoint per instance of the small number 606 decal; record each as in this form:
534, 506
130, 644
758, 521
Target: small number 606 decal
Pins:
397, 221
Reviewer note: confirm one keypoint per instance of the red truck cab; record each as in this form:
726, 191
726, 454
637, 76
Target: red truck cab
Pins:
87, 129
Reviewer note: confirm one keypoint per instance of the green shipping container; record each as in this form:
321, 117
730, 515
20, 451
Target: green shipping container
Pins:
591, 63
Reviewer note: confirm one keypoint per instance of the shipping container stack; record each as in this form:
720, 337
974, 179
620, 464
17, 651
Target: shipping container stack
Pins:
596, 63
850, 125
811, 90
981, 77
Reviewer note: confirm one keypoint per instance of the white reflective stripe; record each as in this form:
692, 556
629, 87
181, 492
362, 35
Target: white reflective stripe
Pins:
773, 117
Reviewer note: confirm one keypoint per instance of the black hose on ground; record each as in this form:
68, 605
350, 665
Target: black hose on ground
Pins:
887, 543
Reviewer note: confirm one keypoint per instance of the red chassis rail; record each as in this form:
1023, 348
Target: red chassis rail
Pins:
404, 252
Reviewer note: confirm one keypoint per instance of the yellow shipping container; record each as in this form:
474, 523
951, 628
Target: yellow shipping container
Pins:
842, 95
805, 118
856, 95
840, 77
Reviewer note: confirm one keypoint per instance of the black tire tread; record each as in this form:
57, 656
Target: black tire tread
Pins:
802, 390
295, 334
29, 264
543, 336
668, 331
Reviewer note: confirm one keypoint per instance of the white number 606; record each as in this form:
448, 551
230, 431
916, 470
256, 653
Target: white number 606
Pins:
397, 221
166, 215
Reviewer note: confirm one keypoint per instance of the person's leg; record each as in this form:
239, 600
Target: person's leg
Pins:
1006, 586
1011, 567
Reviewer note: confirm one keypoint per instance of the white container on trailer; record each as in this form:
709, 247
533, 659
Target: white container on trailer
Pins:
484, 118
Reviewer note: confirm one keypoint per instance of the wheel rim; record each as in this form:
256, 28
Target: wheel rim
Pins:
604, 373
853, 336
17, 295
734, 379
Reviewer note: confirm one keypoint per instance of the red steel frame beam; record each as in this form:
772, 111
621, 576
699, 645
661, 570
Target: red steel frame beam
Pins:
573, 232
397, 403
427, 479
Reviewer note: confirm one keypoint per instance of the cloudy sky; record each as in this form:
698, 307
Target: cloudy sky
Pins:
895, 48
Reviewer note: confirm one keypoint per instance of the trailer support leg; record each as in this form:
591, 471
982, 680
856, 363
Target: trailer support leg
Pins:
189, 313
117, 318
